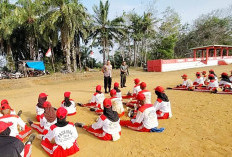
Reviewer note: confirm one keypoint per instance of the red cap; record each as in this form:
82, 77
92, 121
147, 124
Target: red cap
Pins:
224, 74
211, 75
184, 75
136, 81
4, 101
198, 73
5, 106
4, 126
159, 89
116, 84
140, 97
143, 85
67, 94
203, 72
98, 88
61, 113
113, 92
211, 70
47, 104
107, 103
42, 95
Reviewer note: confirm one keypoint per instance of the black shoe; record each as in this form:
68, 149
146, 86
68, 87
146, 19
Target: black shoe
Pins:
80, 125
80, 104
92, 109
121, 86
30, 139
19, 113
29, 122
124, 86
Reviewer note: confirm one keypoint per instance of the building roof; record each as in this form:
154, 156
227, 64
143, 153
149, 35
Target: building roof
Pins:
212, 47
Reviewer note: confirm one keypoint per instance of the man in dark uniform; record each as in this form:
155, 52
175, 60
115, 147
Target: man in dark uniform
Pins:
124, 71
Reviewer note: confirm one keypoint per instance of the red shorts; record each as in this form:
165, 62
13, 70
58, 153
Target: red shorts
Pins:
39, 129
23, 134
134, 126
55, 150
99, 133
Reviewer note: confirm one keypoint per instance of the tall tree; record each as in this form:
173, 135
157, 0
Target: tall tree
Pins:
105, 30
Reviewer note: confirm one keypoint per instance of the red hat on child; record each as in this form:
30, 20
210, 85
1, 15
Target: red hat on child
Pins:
116, 84
4, 126
67, 94
224, 74
42, 95
211, 75
211, 70
98, 88
184, 75
140, 97
47, 104
143, 85
4, 101
198, 73
5, 106
61, 113
159, 89
107, 103
113, 92
203, 72
136, 81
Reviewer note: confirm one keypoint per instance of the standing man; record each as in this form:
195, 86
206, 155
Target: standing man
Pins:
124, 71
107, 70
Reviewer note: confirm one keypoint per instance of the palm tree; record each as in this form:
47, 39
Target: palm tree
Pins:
105, 30
66, 16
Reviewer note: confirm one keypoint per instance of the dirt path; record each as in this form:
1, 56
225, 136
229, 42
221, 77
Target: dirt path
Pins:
201, 123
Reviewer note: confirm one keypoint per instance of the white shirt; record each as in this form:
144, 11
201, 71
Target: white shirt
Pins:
222, 83
72, 108
163, 106
16, 120
187, 83
107, 125
147, 95
117, 105
212, 84
230, 78
119, 95
199, 80
39, 111
146, 115
98, 98
136, 89
44, 123
64, 136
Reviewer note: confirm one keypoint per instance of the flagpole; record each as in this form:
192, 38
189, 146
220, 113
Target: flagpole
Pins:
53, 66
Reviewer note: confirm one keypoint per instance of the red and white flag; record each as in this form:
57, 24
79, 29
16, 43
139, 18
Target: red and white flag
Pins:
91, 54
49, 53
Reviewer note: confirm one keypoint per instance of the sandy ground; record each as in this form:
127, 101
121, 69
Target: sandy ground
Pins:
201, 123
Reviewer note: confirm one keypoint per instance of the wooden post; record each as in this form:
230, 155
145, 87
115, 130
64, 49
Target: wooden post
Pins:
221, 52
207, 54
215, 52
202, 54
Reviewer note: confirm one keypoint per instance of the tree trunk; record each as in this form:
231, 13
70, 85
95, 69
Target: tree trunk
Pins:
67, 54
1, 47
135, 64
10, 59
129, 49
77, 50
104, 52
32, 48
74, 57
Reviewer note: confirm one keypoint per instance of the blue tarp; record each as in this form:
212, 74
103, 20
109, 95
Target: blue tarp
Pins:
39, 65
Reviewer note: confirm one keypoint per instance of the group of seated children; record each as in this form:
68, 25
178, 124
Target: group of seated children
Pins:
58, 136
209, 83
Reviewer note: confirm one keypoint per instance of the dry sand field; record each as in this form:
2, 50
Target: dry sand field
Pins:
201, 124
